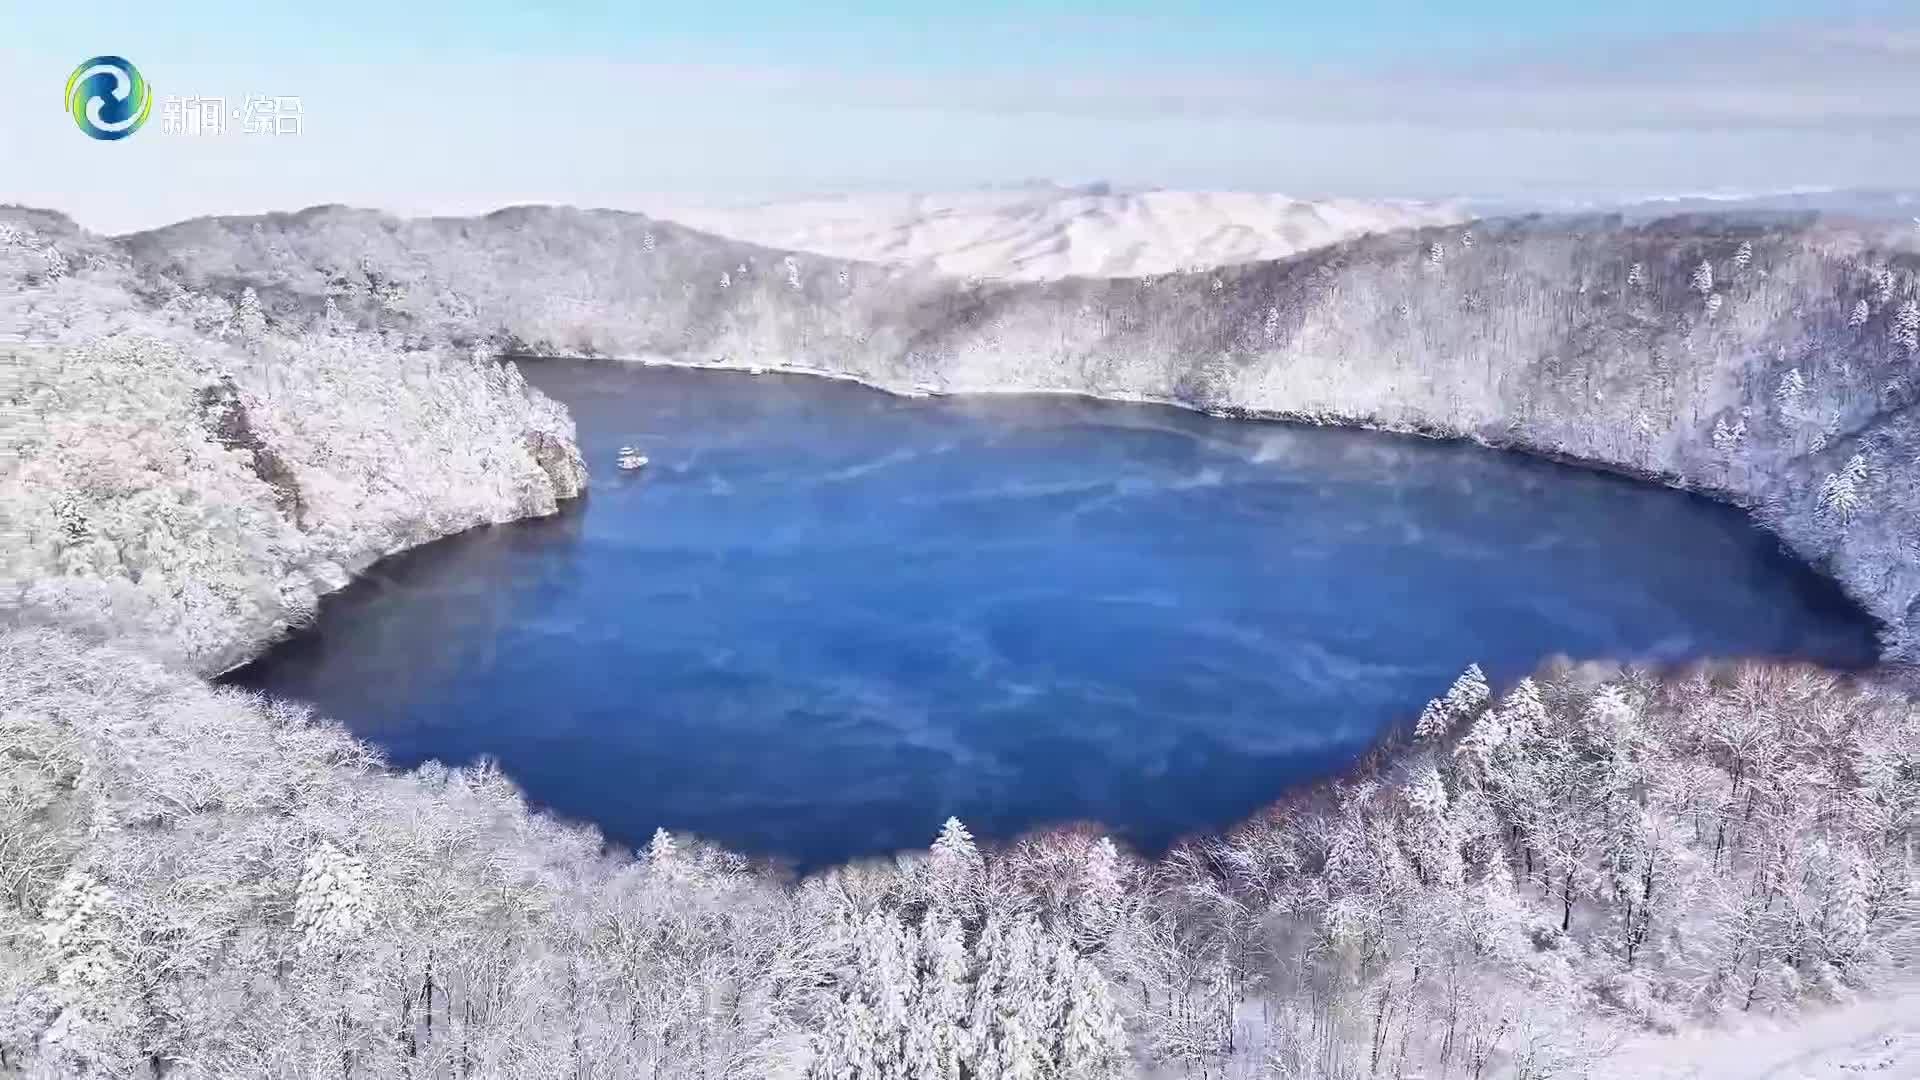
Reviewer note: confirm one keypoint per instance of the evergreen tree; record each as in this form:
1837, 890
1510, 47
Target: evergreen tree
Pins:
1464, 700
886, 973
953, 871
1842, 493
936, 1041
1702, 278
332, 903
74, 929
1905, 326
1101, 897
663, 855
1008, 999
1791, 395
1093, 1037
866, 1034
1883, 285
249, 320
845, 1050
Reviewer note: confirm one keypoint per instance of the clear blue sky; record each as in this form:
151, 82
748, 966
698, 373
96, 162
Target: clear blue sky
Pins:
941, 36
443, 106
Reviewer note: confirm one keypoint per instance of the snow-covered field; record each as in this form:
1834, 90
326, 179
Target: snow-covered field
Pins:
1051, 232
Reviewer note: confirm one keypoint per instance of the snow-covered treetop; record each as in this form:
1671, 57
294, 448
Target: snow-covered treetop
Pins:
1464, 700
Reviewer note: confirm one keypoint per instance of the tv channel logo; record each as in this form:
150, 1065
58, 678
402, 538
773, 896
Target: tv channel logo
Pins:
108, 98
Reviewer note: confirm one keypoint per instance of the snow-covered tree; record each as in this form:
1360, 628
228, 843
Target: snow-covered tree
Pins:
663, 855
1743, 256
867, 1033
1791, 395
1636, 275
1464, 699
1092, 1043
1431, 837
1883, 283
1904, 328
1728, 437
886, 979
1436, 255
74, 927
936, 1045
1860, 314
1701, 279
333, 902
954, 868
848, 1049
1842, 493
1013, 997
249, 321
1101, 897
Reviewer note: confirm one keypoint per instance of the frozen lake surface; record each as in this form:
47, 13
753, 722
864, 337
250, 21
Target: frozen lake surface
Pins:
825, 618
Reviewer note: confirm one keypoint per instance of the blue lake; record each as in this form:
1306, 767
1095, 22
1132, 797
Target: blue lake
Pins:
825, 618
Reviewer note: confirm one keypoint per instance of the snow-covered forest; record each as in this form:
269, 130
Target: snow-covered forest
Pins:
209, 425
202, 883
181, 472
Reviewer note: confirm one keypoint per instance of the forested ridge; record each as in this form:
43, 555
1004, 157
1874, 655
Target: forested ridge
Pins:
209, 425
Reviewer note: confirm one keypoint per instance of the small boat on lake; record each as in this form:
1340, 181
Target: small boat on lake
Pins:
631, 459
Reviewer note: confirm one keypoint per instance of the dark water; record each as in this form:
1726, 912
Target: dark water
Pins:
825, 619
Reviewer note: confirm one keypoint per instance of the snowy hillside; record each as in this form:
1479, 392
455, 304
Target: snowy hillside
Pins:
1039, 233
180, 474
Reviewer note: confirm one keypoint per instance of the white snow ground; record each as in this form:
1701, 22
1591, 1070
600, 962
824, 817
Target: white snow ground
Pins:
1050, 232
1877, 1039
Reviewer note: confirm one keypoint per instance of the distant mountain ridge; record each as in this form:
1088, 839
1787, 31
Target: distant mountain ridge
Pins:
1870, 205
1034, 232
